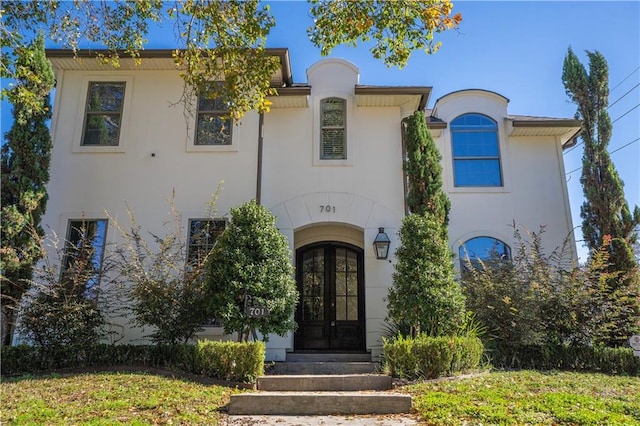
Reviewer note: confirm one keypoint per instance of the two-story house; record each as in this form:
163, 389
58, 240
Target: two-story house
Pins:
327, 160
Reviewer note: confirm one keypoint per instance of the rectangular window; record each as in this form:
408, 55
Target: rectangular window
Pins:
333, 129
203, 234
103, 113
84, 251
213, 126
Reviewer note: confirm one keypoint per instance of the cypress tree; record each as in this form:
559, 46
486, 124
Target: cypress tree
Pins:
25, 172
424, 171
424, 294
606, 217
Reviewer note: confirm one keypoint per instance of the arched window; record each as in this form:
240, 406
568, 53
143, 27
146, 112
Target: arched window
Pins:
483, 249
476, 154
333, 129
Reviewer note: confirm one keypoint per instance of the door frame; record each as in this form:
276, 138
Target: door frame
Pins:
329, 296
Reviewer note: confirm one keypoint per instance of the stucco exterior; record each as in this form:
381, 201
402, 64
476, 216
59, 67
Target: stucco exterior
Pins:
313, 200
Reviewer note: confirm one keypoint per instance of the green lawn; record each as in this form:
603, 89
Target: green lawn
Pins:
108, 399
497, 398
530, 398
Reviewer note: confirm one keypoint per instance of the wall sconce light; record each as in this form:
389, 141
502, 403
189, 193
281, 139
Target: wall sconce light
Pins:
381, 244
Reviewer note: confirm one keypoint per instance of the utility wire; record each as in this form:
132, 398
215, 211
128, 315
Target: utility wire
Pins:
637, 105
614, 151
628, 91
624, 79
581, 143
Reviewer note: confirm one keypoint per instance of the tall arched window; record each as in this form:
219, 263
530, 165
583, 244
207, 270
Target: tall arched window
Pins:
483, 249
476, 153
333, 129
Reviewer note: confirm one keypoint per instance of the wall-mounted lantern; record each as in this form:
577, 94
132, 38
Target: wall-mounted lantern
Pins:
381, 244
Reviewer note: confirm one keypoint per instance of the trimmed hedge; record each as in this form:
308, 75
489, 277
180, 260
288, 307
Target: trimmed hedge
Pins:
575, 358
430, 357
242, 362
230, 360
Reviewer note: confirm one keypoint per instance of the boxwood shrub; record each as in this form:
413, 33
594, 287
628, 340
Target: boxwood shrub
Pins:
242, 362
562, 357
430, 357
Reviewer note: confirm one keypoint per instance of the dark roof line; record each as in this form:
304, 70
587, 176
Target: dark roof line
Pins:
423, 91
280, 52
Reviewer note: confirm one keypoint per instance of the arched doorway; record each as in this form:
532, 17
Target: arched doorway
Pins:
330, 314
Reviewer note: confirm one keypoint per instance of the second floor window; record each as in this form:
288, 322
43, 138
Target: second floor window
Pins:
103, 113
333, 129
476, 152
213, 126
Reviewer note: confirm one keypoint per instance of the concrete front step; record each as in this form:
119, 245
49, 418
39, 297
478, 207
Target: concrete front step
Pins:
323, 368
328, 357
318, 403
334, 382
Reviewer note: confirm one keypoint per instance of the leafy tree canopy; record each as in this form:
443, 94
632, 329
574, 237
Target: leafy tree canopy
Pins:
225, 38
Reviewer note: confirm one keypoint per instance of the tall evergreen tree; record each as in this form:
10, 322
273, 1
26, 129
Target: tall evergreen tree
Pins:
424, 171
424, 294
25, 172
605, 212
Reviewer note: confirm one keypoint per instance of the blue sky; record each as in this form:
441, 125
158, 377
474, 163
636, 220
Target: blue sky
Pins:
513, 48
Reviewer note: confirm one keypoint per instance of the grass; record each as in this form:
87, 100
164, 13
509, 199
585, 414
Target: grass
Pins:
109, 399
516, 398
527, 397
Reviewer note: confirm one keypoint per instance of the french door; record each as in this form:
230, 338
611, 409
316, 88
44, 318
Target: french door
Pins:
330, 314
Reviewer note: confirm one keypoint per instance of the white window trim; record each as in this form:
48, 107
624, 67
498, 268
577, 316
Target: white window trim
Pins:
317, 129
81, 114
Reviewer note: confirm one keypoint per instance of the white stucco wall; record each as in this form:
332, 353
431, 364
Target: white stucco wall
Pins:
534, 189
364, 192
156, 160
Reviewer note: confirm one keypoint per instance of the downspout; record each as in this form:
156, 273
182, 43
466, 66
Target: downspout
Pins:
259, 169
403, 134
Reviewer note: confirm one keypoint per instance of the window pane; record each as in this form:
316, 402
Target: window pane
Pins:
473, 121
341, 284
213, 130
341, 308
477, 173
475, 144
203, 234
83, 252
105, 96
352, 308
483, 248
333, 146
333, 112
102, 129
211, 104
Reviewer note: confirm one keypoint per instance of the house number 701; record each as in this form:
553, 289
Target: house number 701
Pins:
327, 209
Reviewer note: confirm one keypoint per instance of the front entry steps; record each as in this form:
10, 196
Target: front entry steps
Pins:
340, 393
325, 363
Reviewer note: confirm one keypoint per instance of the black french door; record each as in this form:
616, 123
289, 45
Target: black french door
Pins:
330, 314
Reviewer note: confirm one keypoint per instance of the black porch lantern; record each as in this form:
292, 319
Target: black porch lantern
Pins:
381, 244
